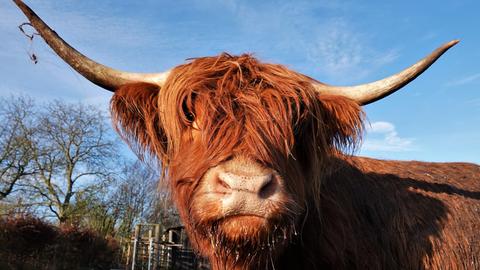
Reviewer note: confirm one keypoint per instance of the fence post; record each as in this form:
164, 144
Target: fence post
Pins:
156, 250
135, 244
150, 248
129, 246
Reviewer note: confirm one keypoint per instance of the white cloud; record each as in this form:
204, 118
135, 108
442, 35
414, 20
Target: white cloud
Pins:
330, 45
474, 102
430, 35
383, 137
381, 127
339, 50
465, 80
96, 33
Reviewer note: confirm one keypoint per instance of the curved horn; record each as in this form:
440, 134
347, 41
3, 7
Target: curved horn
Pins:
103, 76
371, 92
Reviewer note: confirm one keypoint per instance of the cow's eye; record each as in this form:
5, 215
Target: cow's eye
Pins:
187, 107
187, 112
190, 116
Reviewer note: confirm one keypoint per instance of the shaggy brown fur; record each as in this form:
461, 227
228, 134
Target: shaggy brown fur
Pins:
345, 212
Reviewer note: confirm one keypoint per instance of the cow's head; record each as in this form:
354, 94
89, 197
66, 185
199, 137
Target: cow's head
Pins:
244, 144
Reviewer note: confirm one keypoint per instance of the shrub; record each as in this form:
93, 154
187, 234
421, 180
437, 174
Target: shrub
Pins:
30, 243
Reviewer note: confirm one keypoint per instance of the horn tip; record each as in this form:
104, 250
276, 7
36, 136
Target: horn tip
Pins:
23, 7
18, 2
452, 43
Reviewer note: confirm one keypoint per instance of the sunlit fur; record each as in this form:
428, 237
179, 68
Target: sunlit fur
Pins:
242, 107
214, 110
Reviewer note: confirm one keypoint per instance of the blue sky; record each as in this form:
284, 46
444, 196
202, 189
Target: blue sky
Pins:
434, 118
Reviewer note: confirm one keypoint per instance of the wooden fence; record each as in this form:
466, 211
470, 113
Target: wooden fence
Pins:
149, 249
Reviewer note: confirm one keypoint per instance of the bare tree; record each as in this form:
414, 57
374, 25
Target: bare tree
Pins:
73, 154
66, 159
95, 212
126, 203
133, 196
162, 209
15, 129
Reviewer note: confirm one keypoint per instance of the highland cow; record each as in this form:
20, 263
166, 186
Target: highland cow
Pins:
259, 162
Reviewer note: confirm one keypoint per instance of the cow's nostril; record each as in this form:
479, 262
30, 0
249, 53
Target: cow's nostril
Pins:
223, 186
263, 186
268, 188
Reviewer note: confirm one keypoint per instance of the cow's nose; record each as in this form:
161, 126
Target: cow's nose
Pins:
262, 185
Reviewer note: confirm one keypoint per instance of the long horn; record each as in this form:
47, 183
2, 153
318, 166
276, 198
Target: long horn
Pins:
101, 75
371, 92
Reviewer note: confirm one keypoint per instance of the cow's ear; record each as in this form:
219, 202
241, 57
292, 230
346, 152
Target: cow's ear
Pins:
342, 122
135, 116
